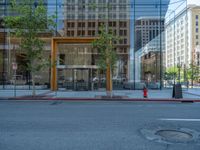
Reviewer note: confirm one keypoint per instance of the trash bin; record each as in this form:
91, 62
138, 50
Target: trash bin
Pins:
177, 91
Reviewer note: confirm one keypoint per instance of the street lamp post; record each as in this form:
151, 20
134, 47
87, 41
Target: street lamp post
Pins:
179, 71
173, 11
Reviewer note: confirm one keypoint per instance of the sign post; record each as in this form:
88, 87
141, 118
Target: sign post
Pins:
14, 67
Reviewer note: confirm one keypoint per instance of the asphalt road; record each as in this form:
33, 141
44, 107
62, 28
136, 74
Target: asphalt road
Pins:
102, 125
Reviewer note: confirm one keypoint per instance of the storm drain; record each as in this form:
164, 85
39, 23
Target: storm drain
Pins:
175, 136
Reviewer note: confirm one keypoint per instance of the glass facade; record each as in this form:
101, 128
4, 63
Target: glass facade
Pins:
145, 51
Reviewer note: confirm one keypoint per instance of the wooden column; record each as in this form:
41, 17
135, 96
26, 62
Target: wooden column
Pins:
54, 43
53, 63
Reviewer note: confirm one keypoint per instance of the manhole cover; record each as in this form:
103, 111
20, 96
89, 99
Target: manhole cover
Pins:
171, 136
175, 135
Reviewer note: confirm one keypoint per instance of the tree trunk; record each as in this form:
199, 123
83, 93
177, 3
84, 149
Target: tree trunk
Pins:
33, 84
109, 81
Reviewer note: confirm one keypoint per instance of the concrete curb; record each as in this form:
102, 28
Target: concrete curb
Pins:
43, 98
192, 94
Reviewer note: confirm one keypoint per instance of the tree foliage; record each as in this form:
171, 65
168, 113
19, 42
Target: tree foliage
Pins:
171, 73
29, 21
105, 45
193, 72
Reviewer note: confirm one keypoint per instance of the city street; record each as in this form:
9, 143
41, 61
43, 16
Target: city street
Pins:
98, 125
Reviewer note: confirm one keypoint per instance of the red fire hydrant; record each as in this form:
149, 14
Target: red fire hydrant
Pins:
145, 92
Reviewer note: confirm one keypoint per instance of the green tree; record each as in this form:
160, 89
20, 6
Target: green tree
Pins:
193, 73
171, 73
31, 20
105, 45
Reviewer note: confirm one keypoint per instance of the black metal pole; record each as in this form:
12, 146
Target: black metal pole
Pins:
161, 70
134, 44
179, 73
174, 47
56, 17
192, 70
4, 48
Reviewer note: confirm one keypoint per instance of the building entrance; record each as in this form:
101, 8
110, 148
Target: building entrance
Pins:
77, 78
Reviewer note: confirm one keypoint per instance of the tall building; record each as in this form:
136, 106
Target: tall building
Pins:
83, 18
182, 33
78, 19
146, 29
148, 62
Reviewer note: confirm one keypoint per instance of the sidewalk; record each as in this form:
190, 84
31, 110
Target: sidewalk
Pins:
165, 94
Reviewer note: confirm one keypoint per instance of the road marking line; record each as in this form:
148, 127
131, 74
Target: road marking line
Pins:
177, 119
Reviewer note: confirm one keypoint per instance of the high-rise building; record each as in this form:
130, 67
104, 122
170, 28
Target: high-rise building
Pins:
146, 29
149, 61
182, 34
83, 18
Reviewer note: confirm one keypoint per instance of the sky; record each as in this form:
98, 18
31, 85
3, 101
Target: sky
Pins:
176, 6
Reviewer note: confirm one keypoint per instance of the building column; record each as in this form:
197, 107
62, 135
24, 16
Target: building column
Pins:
54, 64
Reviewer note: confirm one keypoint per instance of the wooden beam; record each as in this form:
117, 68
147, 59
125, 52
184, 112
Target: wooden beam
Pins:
53, 67
62, 40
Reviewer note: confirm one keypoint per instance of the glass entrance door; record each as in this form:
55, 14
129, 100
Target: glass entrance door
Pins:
78, 79
81, 79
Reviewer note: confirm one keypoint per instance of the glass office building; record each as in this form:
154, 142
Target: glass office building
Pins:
141, 50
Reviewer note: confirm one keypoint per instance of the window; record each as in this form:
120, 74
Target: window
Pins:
81, 16
197, 17
125, 41
122, 8
123, 32
112, 16
91, 24
122, 24
81, 33
91, 33
101, 24
62, 59
70, 33
197, 30
81, 24
70, 24
122, 15
91, 16
112, 24
197, 37
102, 16
112, 1
113, 8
